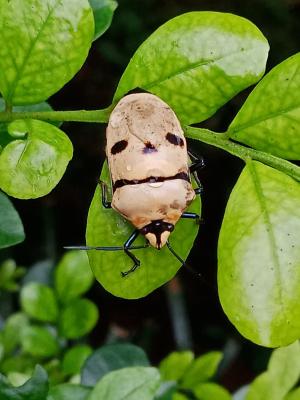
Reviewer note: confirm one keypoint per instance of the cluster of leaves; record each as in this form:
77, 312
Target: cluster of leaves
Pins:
196, 62
10, 273
123, 371
34, 154
49, 318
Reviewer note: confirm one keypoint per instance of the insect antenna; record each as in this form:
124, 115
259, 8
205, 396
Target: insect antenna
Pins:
105, 248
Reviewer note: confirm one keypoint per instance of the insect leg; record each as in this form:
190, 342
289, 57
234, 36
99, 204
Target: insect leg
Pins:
105, 202
190, 215
127, 246
197, 164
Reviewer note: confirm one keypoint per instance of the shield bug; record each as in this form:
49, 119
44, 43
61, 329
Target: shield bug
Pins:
150, 173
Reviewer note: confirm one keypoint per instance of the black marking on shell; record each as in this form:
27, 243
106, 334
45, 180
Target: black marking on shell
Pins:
151, 179
149, 148
157, 228
119, 146
174, 139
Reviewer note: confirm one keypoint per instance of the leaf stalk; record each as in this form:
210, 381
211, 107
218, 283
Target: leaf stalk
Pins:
221, 141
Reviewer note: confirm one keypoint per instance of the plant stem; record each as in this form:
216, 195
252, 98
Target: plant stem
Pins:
221, 141
61, 116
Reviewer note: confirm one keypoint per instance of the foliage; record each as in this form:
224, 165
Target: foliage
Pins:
40, 332
132, 378
196, 62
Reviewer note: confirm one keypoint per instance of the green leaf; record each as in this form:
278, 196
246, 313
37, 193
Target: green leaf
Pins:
294, 395
17, 378
103, 14
166, 391
73, 276
270, 118
11, 228
179, 396
259, 254
74, 359
136, 383
9, 273
196, 62
202, 369
209, 391
69, 391
284, 367
12, 331
5, 138
39, 342
39, 302
78, 318
43, 45
109, 358
107, 228
32, 165
175, 365
18, 363
282, 374
35, 388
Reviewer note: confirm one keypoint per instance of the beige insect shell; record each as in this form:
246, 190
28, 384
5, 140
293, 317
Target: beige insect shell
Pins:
148, 162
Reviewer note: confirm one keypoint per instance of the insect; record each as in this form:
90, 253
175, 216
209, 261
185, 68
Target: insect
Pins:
150, 173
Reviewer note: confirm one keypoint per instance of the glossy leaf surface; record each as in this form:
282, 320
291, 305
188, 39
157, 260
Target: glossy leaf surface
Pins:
107, 228
5, 138
109, 358
259, 256
39, 302
43, 44
196, 62
136, 383
270, 118
68, 391
36, 388
33, 164
73, 275
103, 14
78, 318
11, 227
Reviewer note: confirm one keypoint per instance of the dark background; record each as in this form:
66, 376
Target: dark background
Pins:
60, 218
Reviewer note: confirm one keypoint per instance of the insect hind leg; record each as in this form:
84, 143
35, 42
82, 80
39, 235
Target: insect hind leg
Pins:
127, 246
197, 164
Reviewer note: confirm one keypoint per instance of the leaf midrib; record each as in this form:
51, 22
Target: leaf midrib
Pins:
269, 228
27, 55
191, 67
235, 129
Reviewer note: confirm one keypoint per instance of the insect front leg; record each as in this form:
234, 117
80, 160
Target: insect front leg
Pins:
105, 202
135, 260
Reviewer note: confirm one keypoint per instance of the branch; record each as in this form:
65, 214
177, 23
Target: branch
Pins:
221, 141
61, 116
